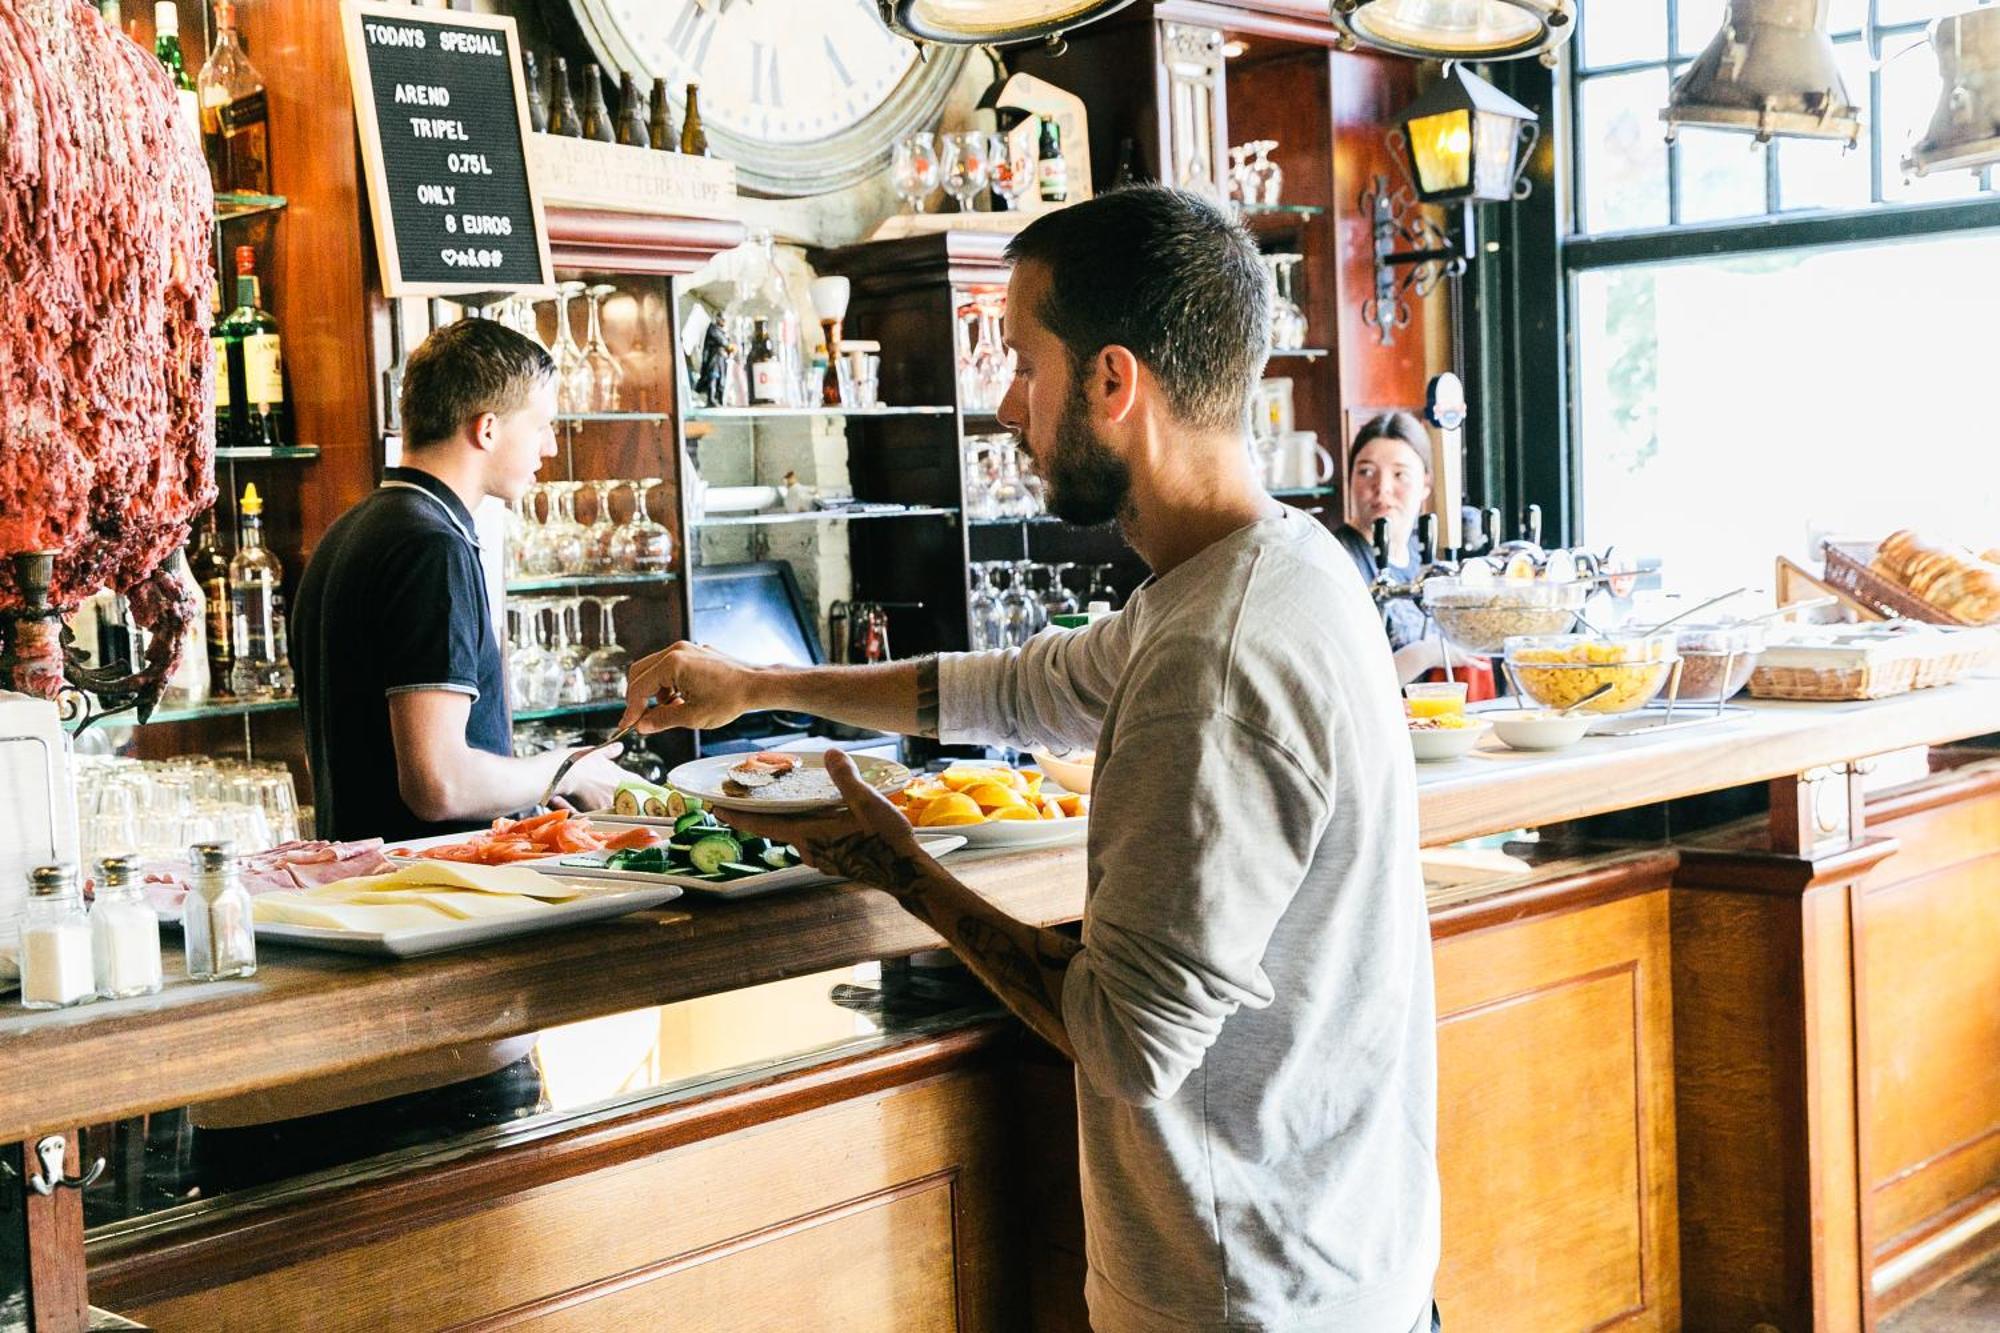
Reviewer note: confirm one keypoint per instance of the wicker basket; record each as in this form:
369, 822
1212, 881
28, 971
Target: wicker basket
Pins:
1876, 676
1850, 568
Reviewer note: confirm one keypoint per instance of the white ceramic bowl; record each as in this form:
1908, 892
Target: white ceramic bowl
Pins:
1537, 729
1073, 773
1453, 743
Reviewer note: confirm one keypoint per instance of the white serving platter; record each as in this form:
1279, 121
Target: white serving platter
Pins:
447, 935
1020, 833
704, 778
394, 850
589, 866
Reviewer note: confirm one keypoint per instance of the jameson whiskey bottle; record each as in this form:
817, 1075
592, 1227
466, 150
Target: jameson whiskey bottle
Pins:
660, 130
1052, 173
256, 361
235, 114
211, 574
596, 116
167, 46
563, 119
631, 113
694, 139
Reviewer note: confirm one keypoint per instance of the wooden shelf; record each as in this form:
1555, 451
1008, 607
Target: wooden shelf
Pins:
214, 708
599, 240
260, 453
821, 516
236, 207
565, 582
797, 413
1299, 353
585, 418
569, 710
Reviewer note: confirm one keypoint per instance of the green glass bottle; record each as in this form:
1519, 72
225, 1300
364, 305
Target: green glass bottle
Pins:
167, 46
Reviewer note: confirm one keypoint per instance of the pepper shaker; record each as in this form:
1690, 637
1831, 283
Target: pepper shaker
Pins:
215, 917
56, 969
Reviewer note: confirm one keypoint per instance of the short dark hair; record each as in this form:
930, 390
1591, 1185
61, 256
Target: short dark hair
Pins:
464, 370
1402, 426
1167, 275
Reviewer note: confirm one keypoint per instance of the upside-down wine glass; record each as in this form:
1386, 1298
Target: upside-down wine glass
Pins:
572, 372
606, 375
605, 669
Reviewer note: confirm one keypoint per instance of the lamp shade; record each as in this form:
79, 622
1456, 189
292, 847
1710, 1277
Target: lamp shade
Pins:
1964, 131
1457, 29
1464, 138
988, 22
1770, 71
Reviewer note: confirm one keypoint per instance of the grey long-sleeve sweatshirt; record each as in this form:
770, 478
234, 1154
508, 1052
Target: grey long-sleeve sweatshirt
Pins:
1252, 1011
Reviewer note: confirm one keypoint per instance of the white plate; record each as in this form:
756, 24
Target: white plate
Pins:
750, 886
704, 778
1020, 832
463, 934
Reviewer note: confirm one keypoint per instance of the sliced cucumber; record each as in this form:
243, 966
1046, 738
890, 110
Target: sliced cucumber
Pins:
693, 819
778, 856
754, 847
713, 851
741, 870
713, 877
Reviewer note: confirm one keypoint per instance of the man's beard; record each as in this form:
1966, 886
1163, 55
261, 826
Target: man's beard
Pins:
1087, 483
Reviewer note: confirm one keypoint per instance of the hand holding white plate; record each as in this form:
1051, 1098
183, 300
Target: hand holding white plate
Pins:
801, 787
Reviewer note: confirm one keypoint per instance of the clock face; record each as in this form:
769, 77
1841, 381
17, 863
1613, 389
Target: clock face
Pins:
803, 95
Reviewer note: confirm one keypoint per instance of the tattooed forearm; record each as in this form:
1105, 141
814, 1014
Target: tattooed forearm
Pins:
1036, 974
927, 697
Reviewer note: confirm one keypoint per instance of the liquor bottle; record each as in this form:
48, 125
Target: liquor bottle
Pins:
112, 13
1128, 172
694, 139
538, 102
597, 123
167, 46
225, 418
256, 361
631, 113
767, 378
563, 119
660, 130
1052, 173
211, 574
235, 114
190, 682
259, 665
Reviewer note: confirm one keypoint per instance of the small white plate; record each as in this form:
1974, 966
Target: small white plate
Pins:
463, 934
589, 866
704, 778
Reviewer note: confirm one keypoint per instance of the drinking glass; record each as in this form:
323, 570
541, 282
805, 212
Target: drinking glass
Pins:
1264, 179
1060, 600
1288, 321
966, 167
606, 667
606, 375
563, 541
1000, 576
544, 669
1021, 610
574, 685
1239, 174
1100, 587
1013, 175
992, 359
573, 377
914, 168
982, 608
641, 545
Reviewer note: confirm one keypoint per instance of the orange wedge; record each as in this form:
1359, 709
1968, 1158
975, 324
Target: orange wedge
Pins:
955, 808
993, 796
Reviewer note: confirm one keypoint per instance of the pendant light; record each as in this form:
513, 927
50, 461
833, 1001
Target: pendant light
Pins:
1457, 29
1964, 131
1466, 139
1769, 72
990, 22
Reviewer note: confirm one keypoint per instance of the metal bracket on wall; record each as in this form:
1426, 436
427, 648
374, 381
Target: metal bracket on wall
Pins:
1397, 219
49, 1150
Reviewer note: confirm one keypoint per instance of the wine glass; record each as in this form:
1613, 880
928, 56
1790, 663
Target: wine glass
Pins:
573, 376
914, 168
641, 545
600, 534
965, 167
1239, 174
606, 667
606, 375
573, 687
563, 539
1100, 587
981, 607
1288, 321
1059, 599
992, 360
534, 674
1012, 176
1264, 180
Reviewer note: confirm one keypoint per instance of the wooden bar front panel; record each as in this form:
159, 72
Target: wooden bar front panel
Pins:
1556, 1122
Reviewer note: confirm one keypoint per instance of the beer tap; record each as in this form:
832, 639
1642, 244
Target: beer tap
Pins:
1387, 587
1427, 548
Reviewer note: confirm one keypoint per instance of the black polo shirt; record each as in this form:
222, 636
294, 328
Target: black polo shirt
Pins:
393, 600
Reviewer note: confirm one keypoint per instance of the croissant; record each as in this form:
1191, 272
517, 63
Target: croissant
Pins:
1944, 574
1971, 594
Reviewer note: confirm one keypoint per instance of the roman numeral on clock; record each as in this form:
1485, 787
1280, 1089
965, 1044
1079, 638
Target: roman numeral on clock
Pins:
764, 90
692, 32
833, 58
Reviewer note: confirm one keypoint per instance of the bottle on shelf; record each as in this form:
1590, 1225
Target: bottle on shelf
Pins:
563, 118
767, 376
1128, 172
112, 13
694, 139
217, 937
631, 113
660, 129
211, 575
597, 122
256, 362
260, 666
538, 102
167, 46
190, 683
225, 420
235, 113
1051, 172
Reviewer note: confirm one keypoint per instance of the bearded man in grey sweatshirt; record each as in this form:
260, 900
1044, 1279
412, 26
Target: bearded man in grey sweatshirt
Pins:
1250, 1005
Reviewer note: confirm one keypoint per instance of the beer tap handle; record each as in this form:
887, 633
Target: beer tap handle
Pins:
1427, 538
1379, 538
1534, 533
1491, 523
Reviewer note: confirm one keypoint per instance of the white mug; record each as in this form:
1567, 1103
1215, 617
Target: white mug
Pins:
1304, 462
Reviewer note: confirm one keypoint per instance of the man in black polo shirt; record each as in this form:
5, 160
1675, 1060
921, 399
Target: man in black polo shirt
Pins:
401, 673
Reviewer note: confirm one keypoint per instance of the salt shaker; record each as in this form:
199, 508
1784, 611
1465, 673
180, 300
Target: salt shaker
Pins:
55, 942
216, 930
124, 933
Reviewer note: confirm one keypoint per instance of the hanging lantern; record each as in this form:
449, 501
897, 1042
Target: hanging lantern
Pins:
990, 22
1964, 131
1457, 29
1466, 139
1769, 72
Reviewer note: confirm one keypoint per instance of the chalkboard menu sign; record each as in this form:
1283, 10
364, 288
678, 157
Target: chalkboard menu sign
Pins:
443, 119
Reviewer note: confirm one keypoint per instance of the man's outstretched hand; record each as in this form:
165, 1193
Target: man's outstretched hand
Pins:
867, 841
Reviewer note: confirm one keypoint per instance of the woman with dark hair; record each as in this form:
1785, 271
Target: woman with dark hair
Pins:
1389, 477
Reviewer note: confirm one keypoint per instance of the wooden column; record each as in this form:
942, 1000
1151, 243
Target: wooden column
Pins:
1764, 1072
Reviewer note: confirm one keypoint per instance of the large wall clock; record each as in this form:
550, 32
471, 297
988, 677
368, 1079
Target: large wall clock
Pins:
805, 96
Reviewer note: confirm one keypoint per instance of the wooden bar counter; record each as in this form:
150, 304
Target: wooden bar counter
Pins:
1740, 1078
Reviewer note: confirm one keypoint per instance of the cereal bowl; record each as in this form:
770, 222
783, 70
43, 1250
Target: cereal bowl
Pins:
1479, 617
1431, 742
1560, 670
1536, 728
